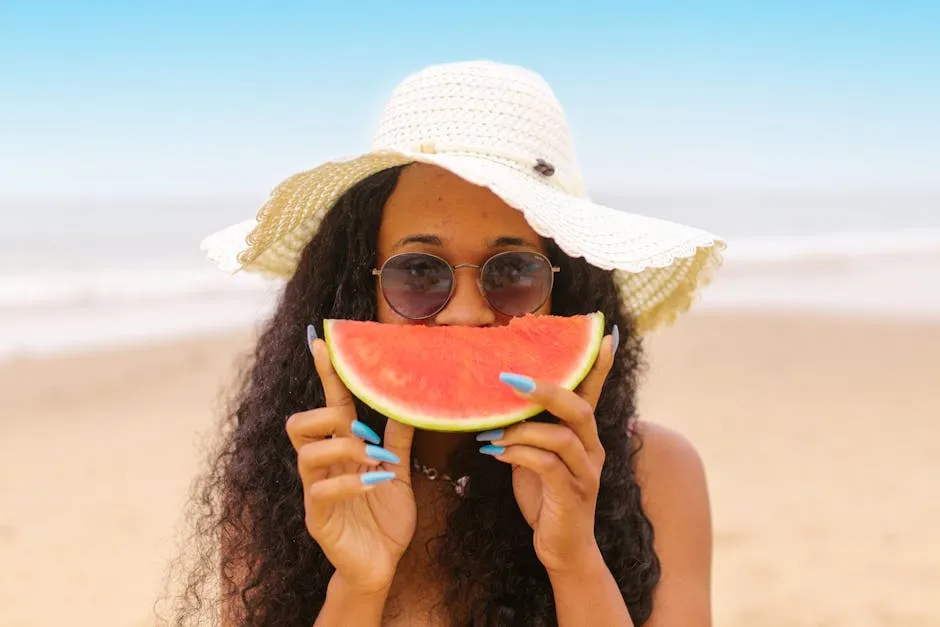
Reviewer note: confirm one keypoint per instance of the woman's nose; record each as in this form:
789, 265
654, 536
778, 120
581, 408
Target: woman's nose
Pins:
467, 307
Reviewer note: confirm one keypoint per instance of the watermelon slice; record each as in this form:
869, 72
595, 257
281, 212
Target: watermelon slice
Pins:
446, 378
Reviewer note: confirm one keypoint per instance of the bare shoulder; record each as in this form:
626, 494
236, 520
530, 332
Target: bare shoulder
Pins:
666, 457
671, 475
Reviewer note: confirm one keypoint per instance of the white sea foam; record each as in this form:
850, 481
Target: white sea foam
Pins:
891, 273
109, 285
834, 246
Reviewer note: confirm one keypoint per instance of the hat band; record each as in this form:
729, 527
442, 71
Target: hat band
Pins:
542, 169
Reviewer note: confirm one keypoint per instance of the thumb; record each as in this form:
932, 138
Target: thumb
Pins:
398, 439
593, 383
335, 391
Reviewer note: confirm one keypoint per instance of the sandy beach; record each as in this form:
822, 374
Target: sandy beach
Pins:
820, 436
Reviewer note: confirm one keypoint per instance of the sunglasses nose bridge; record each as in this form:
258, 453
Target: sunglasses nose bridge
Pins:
479, 275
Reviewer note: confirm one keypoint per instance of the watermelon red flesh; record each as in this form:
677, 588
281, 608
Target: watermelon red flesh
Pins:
447, 378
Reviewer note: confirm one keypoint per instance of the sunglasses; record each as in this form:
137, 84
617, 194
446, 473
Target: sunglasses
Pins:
419, 285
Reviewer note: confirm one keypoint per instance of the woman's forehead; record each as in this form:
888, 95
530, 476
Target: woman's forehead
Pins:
432, 201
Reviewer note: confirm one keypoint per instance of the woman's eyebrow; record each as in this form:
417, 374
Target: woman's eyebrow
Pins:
507, 240
419, 238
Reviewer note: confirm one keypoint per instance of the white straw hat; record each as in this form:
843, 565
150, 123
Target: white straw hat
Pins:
498, 126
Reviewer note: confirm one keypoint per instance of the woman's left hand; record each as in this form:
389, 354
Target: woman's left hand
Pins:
556, 468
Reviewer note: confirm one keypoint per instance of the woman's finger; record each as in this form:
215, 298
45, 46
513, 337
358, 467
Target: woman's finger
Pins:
548, 466
590, 388
398, 438
343, 487
336, 392
317, 424
555, 438
315, 458
564, 404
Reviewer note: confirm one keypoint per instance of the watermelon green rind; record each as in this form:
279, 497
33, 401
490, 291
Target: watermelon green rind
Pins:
590, 356
407, 415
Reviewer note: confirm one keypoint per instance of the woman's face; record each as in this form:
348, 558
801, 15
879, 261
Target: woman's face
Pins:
434, 211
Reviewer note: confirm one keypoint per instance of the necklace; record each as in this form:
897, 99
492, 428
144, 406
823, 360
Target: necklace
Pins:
433, 474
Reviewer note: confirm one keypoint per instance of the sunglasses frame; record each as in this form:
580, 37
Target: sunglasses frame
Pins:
453, 284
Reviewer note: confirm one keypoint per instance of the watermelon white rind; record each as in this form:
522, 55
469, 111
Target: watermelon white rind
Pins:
463, 366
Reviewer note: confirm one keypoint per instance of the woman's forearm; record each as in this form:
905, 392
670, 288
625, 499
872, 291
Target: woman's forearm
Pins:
346, 606
588, 595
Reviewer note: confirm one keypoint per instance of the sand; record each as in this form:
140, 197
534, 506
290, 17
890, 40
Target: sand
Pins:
821, 438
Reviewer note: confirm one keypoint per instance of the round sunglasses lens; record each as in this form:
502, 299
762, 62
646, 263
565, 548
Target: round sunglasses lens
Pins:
416, 285
517, 283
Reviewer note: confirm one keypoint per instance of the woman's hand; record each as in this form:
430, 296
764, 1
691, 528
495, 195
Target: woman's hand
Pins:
557, 467
358, 499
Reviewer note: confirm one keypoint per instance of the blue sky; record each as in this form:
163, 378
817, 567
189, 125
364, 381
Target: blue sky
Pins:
179, 99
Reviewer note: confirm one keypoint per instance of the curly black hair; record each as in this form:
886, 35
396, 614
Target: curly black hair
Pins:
252, 553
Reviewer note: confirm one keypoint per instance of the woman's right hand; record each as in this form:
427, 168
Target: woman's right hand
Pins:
358, 499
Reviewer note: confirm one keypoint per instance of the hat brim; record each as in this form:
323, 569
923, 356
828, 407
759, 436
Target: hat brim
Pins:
660, 266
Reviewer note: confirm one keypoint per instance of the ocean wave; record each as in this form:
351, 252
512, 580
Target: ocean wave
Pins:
833, 246
110, 285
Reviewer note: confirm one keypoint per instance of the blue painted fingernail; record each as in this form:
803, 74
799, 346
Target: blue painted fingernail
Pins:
517, 381
489, 436
311, 336
362, 430
492, 449
615, 336
379, 453
376, 476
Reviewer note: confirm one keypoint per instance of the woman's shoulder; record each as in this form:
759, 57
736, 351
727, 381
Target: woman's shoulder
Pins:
670, 471
663, 447
671, 476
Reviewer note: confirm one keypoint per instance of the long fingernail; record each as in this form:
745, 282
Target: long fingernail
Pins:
517, 381
492, 449
489, 436
615, 339
379, 453
362, 430
311, 336
376, 476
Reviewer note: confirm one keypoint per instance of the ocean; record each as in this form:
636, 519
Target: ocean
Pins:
76, 275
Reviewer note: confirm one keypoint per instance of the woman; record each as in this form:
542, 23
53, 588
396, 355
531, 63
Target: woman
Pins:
326, 513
